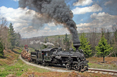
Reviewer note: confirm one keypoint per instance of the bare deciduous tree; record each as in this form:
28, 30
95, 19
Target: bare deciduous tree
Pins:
4, 33
94, 40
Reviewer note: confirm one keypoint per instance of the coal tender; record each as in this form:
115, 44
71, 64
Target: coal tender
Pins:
72, 60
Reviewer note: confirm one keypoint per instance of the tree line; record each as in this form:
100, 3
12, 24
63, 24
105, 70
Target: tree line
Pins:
8, 37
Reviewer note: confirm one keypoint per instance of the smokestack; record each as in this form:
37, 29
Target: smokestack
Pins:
73, 30
53, 11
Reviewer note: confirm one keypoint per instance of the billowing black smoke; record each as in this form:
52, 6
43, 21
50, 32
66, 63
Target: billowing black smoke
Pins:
53, 11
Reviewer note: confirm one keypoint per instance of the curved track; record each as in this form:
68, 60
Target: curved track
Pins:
91, 70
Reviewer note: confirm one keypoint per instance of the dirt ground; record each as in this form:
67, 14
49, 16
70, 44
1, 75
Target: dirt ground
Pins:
9, 58
58, 74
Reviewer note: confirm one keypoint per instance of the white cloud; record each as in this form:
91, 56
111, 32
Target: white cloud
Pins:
81, 30
104, 17
108, 2
18, 17
22, 23
81, 20
100, 20
83, 2
58, 31
17, 25
101, 14
93, 8
83, 25
16, 0
46, 28
51, 24
27, 30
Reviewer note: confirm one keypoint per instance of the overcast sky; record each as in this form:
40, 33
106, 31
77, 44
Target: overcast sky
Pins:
88, 14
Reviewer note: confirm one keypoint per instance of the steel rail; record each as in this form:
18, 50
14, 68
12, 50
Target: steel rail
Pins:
103, 71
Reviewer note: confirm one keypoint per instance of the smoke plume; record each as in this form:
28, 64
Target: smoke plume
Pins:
39, 42
52, 11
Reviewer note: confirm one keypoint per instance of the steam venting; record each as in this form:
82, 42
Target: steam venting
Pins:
53, 11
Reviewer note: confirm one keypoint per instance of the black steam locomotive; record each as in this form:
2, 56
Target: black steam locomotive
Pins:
72, 60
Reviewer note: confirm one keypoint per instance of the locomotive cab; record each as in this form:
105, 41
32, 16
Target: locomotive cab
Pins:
47, 54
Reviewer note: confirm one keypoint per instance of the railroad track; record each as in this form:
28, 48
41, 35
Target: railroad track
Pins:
103, 71
61, 69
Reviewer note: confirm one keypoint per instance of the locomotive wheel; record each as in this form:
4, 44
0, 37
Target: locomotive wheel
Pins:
37, 62
68, 66
44, 64
76, 67
32, 60
79, 68
86, 68
82, 66
47, 64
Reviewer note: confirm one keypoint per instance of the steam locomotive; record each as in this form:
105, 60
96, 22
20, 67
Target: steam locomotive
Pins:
72, 60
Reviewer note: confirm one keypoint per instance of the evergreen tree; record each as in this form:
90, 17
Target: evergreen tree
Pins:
103, 48
85, 45
1, 50
12, 37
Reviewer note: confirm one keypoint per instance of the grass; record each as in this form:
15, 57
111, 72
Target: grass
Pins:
18, 69
95, 62
13, 65
18, 49
103, 66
